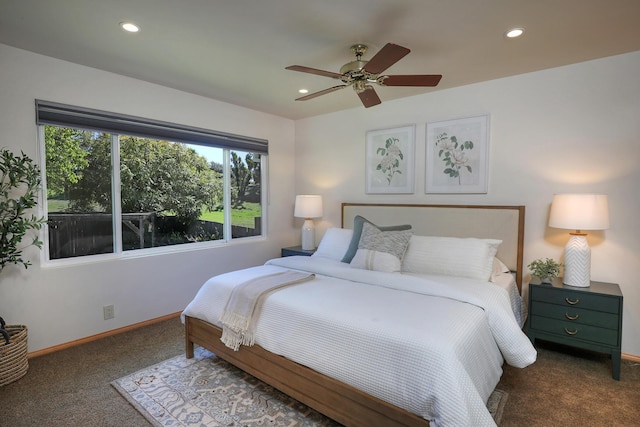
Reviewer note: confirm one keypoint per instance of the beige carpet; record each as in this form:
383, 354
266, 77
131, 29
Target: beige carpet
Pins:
207, 391
72, 387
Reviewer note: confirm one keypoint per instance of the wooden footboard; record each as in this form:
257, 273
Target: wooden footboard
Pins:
336, 400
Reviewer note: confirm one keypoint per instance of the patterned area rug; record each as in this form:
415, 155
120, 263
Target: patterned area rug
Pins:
207, 391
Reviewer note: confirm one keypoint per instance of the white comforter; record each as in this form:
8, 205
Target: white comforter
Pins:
431, 345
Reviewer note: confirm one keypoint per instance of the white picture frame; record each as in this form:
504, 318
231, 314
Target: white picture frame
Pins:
457, 156
390, 160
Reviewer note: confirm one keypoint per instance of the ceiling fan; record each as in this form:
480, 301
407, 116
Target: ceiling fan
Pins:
361, 73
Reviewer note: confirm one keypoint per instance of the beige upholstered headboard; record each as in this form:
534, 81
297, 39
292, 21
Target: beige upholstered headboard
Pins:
486, 222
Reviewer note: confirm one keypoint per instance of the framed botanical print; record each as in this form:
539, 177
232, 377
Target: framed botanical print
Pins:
390, 160
457, 156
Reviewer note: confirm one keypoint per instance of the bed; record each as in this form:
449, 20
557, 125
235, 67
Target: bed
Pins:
366, 344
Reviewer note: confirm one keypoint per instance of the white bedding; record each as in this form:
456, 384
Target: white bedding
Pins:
507, 281
432, 346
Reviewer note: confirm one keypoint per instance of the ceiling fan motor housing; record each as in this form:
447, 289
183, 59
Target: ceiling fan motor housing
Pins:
353, 72
353, 66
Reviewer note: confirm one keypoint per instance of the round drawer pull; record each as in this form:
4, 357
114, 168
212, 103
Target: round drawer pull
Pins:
572, 302
571, 317
571, 332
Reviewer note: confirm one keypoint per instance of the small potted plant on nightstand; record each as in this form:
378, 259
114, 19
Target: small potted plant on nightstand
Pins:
545, 269
19, 185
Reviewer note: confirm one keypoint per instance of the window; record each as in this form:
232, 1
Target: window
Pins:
118, 183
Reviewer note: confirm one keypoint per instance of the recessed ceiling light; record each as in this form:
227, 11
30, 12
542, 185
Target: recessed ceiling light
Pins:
514, 32
303, 91
129, 27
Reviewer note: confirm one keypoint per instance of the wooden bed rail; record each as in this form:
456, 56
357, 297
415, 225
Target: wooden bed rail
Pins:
338, 401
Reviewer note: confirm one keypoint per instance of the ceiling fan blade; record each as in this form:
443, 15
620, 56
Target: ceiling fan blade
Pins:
385, 58
410, 80
322, 92
309, 70
369, 97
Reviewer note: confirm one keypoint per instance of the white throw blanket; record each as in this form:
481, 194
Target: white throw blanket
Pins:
244, 305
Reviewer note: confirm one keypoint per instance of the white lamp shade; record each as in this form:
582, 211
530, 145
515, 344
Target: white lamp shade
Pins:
308, 206
579, 212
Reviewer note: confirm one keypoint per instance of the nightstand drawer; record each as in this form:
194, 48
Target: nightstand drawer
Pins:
577, 299
576, 315
575, 331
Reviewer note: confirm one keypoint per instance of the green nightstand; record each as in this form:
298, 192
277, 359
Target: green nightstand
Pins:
295, 250
589, 318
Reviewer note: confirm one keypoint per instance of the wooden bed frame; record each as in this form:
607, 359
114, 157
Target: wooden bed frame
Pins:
338, 401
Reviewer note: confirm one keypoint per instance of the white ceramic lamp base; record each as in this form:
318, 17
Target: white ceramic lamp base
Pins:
577, 262
308, 235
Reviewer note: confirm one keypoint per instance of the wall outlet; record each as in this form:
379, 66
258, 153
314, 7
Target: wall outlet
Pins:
109, 312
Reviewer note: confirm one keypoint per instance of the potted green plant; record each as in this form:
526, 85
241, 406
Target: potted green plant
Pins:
545, 269
19, 186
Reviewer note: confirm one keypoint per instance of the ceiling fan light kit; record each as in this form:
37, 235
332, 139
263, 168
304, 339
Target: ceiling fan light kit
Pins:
361, 74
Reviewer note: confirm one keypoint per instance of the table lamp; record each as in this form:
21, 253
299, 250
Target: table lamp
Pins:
308, 207
578, 212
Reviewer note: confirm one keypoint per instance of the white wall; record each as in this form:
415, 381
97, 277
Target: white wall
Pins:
65, 303
569, 129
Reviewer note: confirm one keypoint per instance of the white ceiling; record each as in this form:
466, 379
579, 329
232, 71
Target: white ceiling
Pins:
236, 50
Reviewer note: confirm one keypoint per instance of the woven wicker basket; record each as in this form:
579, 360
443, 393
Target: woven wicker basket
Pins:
13, 356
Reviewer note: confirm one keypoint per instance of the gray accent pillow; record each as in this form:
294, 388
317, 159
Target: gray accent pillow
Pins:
381, 250
358, 221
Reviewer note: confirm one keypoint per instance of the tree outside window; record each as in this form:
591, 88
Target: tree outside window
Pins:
170, 192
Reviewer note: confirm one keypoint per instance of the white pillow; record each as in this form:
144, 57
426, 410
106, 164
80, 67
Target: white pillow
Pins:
498, 269
381, 250
334, 243
451, 256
